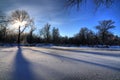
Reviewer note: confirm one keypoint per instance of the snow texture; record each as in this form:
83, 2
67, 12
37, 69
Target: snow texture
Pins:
59, 63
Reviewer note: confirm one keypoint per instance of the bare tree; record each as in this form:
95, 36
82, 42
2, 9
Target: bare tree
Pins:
3, 25
45, 33
32, 29
22, 20
103, 28
83, 35
98, 3
55, 35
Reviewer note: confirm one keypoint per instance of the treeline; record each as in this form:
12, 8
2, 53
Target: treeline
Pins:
84, 37
49, 35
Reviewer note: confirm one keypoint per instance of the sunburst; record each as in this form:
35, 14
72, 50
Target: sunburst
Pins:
21, 24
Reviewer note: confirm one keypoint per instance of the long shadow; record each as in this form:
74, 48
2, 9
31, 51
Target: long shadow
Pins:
79, 60
22, 69
88, 52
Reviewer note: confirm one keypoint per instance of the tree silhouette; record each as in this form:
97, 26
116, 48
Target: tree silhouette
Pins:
55, 35
98, 3
103, 28
32, 29
3, 26
22, 19
85, 36
45, 33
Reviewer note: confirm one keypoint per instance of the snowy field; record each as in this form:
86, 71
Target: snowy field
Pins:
59, 63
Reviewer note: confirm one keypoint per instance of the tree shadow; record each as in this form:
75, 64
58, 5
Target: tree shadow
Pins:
89, 52
78, 60
22, 69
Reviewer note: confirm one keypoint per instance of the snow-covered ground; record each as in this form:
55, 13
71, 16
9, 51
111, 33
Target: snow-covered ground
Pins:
59, 63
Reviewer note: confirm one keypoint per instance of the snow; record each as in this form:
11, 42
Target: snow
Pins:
59, 63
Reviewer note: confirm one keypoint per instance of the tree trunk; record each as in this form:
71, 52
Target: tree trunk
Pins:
19, 34
4, 37
30, 37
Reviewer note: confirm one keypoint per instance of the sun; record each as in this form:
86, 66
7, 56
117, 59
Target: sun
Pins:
21, 24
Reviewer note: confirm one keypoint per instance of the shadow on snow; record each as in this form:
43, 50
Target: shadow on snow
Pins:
88, 52
79, 60
22, 69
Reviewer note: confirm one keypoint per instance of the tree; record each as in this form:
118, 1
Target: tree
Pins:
21, 19
32, 29
3, 32
91, 38
103, 29
55, 35
45, 33
84, 37
3, 26
64, 40
98, 3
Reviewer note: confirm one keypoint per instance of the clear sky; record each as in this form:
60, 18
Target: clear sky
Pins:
68, 20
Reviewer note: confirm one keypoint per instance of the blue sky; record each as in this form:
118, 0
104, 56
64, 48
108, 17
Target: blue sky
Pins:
68, 20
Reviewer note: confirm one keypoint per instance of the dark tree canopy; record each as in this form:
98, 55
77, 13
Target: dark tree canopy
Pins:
98, 3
